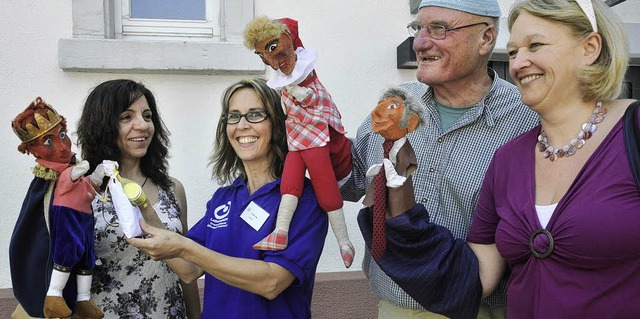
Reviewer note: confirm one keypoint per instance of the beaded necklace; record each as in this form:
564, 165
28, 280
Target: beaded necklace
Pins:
588, 128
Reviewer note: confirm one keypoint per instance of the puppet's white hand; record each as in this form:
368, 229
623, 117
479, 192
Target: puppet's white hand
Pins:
98, 175
394, 180
374, 170
110, 167
300, 93
79, 170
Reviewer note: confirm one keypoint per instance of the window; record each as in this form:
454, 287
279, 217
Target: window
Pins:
193, 19
152, 36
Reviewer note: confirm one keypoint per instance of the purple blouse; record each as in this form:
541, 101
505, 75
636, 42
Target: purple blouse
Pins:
592, 240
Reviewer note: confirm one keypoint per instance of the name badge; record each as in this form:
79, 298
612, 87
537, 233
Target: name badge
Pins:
254, 215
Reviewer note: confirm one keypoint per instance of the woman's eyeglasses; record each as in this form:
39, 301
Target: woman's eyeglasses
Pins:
436, 31
252, 117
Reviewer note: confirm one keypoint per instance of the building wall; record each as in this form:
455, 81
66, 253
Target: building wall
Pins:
335, 295
356, 41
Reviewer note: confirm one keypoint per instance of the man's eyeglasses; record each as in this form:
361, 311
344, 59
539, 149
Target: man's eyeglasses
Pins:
436, 31
252, 117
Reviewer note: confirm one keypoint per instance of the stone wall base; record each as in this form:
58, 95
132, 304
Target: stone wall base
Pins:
336, 295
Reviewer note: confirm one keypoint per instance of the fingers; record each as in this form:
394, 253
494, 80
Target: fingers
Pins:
136, 242
145, 245
142, 242
158, 243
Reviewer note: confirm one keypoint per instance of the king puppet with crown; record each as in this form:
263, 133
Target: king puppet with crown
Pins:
53, 236
315, 135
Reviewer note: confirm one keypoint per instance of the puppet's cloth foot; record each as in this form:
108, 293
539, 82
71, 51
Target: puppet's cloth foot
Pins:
277, 240
87, 309
55, 307
347, 252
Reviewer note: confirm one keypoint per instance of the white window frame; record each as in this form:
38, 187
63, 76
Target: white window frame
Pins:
127, 27
95, 47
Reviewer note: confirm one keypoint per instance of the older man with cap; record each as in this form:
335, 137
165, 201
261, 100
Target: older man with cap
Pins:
470, 112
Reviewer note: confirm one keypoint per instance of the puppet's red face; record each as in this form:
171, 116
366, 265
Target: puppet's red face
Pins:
277, 52
54, 146
385, 118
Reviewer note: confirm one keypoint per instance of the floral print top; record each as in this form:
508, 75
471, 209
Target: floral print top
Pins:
126, 282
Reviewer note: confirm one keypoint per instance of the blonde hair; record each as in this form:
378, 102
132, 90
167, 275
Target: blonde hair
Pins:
261, 28
601, 80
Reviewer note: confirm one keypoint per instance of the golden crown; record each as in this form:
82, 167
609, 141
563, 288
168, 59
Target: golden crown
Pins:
43, 125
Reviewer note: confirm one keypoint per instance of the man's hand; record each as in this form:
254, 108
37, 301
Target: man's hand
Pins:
79, 170
300, 93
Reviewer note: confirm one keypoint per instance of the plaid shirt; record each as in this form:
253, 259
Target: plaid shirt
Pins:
451, 167
308, 122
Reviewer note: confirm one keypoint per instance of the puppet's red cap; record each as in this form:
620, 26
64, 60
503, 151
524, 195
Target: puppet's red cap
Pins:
292, 25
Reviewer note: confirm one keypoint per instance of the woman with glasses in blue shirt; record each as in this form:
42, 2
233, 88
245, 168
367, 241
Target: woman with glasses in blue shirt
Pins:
242, 282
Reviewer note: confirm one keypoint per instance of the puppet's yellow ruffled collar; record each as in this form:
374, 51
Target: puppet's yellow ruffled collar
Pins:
49, 170
45, 173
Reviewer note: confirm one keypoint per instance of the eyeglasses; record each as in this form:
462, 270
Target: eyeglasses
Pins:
436, 31
252, 117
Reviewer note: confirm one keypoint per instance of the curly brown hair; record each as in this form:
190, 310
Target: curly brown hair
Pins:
98, 128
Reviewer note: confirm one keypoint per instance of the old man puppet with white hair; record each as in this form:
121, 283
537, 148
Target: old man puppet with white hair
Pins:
396, 115
315, 135
409, 248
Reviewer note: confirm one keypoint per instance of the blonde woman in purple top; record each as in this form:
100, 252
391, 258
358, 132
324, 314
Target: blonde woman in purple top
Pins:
559, 205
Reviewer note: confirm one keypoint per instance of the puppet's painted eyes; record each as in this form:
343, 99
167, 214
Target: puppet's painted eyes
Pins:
392, 106
63, 135
47, 142
272, 47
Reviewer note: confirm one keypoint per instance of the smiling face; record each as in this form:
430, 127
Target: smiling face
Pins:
277, 52
453, 58
250, 141
386, 117
543, 57
135, 130
54, 146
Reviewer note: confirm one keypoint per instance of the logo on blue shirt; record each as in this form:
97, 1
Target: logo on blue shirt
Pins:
220, 216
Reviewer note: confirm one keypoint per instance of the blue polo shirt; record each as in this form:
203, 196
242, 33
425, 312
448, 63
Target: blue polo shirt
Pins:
224, 231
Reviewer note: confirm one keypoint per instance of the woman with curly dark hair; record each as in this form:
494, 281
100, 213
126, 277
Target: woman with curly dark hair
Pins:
120, 122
